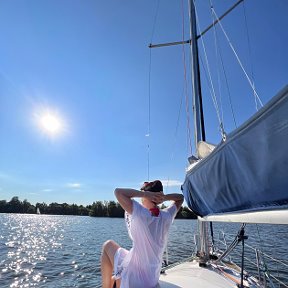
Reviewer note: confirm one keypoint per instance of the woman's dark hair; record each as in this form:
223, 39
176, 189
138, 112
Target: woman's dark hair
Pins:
154, 186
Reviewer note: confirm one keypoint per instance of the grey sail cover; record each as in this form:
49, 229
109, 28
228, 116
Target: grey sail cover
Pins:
247, 172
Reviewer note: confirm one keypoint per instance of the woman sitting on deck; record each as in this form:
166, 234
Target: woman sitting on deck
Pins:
148, 228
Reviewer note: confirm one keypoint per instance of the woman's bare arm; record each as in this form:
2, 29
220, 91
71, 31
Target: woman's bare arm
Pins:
177, 198
124, 196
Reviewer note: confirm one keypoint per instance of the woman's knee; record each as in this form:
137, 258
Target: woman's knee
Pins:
108, 244
110, 247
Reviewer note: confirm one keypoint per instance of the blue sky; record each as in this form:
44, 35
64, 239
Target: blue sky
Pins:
88, 62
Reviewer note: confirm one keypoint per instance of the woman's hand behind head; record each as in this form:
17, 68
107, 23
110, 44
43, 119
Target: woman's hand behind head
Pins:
155, 197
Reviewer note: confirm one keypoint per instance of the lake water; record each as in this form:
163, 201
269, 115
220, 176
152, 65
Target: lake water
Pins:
64, 251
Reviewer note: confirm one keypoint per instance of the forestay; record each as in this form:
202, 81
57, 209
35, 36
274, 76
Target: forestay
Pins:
247, 172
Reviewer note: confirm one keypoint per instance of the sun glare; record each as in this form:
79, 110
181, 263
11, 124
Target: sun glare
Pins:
50, 122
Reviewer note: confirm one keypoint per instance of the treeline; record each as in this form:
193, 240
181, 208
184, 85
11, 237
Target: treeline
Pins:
97, 209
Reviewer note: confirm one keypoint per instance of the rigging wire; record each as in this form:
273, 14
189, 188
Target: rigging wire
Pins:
155, 20
220, 57
149, 101
250, 57
212, 90
149, 118
149, 107
237, 57
184, 94
228, 88
219, 89
149, 92
217, 65
211, 224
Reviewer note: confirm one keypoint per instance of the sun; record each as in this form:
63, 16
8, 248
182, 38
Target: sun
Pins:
50, 122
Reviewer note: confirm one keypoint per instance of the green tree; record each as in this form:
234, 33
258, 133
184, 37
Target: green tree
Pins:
74, 209
98, 209
55, 208
26, 206
31, 209
83, 211
112, 209
185, 213
15, 205
3, 206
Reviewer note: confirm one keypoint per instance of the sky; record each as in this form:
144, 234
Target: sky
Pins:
86, 106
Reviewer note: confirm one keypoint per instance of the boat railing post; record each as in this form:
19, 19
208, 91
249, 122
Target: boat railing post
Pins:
242, 237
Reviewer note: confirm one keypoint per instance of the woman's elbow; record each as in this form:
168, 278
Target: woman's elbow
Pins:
180, 200
117, 192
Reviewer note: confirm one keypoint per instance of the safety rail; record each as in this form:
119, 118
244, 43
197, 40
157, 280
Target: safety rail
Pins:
269, 277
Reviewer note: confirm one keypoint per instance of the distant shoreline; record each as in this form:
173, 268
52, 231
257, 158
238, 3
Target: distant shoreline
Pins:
109, 209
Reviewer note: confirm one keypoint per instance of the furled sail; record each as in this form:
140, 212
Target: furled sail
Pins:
249, 171
204, 149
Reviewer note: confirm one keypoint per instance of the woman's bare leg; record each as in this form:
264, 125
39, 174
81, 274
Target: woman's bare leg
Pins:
107, 262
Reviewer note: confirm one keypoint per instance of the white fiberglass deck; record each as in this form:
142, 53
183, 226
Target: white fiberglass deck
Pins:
190, 275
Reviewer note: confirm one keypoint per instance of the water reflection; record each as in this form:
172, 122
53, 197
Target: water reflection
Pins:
64, 251
27, 241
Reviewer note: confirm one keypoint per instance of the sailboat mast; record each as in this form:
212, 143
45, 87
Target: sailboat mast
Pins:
199, 127
196, 84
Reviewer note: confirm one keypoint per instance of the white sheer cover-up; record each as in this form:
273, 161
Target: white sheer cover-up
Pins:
140, 267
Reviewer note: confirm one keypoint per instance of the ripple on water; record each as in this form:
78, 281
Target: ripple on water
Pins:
64, 251
28, 239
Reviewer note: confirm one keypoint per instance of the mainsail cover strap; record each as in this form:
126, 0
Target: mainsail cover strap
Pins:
247, 172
